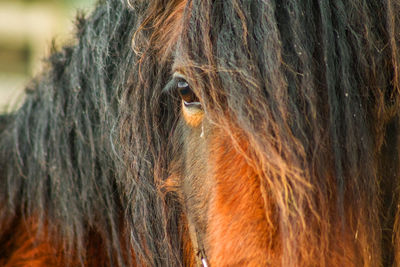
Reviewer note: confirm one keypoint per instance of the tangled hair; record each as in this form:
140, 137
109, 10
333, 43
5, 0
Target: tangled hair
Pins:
311, 86
59, 170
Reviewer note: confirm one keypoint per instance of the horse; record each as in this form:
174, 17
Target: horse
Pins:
208, 132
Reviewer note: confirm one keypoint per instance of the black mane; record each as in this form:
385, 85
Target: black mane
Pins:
58, 156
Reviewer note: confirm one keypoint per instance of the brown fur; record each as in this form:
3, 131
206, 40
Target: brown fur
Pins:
31, 251
239, 232
31, 245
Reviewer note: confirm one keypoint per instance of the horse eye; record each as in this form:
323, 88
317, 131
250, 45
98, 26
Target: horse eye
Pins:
189, 98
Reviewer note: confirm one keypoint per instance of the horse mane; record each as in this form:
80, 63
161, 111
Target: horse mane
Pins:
313, 86
59, 168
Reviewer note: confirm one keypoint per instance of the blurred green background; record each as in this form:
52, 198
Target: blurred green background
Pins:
27, 30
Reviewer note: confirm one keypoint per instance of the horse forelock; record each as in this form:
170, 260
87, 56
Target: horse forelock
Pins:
298, 82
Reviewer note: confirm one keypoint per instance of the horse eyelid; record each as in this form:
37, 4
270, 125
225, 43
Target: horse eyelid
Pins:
183, 84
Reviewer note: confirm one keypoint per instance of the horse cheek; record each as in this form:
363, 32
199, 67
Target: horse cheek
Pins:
238, 228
